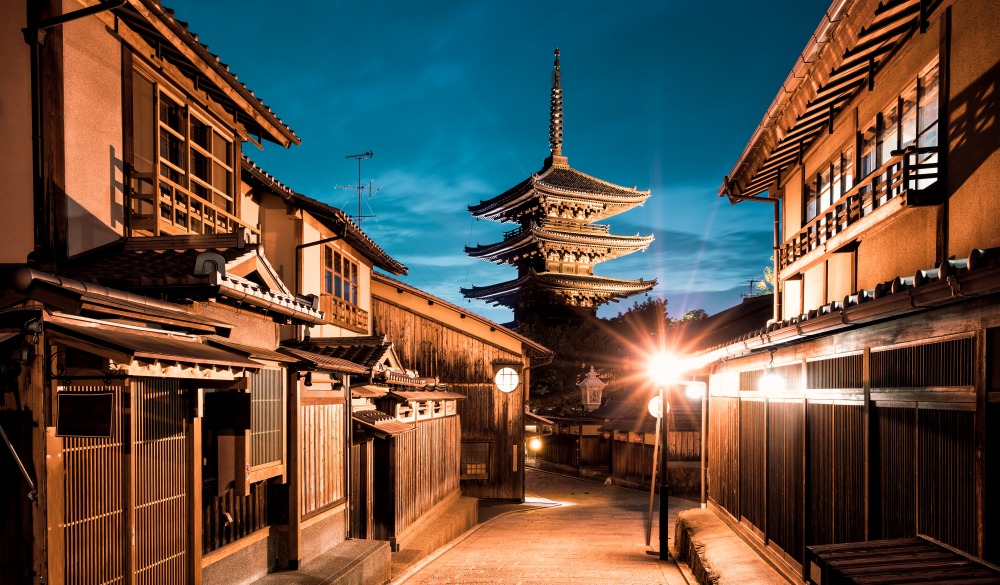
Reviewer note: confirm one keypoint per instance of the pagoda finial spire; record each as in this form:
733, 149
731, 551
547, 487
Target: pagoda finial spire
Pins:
556, 112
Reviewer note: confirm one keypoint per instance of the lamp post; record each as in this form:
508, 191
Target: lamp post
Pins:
664, 480
664, 369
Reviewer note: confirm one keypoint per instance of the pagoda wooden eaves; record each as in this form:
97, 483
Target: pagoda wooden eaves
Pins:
534, 240
572, 289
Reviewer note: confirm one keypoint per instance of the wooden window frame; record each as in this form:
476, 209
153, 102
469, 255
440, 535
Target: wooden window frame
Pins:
479, 452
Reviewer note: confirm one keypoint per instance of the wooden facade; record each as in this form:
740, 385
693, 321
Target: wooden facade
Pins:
886, 311
450, 343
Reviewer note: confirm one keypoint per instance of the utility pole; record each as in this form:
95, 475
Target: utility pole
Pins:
360, 188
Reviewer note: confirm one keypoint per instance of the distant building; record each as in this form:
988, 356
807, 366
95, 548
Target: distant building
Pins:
878, 421
557, 244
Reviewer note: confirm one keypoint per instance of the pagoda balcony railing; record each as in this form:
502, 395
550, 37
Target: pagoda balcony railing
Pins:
344, 314
572, 226
911, 175
160, 206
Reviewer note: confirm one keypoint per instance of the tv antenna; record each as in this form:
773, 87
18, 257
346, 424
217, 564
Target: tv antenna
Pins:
360, 187
751, 282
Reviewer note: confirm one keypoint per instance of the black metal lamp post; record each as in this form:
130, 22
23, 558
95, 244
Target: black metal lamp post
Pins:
664, 481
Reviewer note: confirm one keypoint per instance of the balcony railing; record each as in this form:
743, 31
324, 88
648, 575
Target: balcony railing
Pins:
159, 206
911, 174
339, 312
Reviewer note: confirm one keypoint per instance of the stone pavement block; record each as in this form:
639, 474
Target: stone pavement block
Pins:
718, 556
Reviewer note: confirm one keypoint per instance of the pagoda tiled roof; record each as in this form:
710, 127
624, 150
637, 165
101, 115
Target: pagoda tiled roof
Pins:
605, 287
612, 246
560, 181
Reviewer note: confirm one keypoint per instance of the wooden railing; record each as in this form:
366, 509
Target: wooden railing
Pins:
339, 312
159, 206
908, 174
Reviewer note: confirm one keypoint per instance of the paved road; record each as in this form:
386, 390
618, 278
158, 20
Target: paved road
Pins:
570, 531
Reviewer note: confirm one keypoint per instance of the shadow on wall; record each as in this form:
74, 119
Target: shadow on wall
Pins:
973, 128
84, 230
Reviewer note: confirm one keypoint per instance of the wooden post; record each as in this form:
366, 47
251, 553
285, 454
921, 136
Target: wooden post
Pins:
294, 476
194, 491
873, 524
54, 473
980, 354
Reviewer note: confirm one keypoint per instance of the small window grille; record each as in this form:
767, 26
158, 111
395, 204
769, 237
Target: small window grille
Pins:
475, 460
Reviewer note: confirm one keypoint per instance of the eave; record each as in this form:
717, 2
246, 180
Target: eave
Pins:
852, 43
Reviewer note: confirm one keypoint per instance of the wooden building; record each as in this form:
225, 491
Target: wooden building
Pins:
556, 243
224, 453
447, 342
864, 410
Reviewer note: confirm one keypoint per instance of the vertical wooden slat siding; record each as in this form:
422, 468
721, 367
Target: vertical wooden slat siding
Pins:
847, 440
723, 438
784, 477
466, 364
267, 416
160, 482
752, 441
897, 453
94, 504
425, 470
836, 373
322, 439
249, 514
820, 474
945, 363
946, 473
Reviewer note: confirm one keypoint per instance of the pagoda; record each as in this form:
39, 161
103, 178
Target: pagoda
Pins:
557, 243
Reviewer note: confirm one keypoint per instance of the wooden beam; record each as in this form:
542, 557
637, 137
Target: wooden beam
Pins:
280, 134
194, 489
54, 472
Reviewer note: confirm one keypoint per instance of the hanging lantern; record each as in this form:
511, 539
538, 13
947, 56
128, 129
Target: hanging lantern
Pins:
591, 388
639, 438
606, 435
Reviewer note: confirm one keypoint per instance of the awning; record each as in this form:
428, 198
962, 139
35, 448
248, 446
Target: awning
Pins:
255, 353
128, 346
380, 424
323, 362
368, 391
425, 395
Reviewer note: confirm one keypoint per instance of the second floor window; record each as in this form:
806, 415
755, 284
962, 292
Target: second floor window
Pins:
340, 275
831, 181
184, 162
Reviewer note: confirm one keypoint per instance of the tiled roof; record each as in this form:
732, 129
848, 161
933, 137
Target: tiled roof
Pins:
952, 281
598, 285
365, 351
610, 246
325, 362
334, 218
557, 180
136, 16
380, 422
156, 264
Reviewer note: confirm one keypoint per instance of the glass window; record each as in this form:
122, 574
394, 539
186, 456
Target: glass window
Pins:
824, 189
847, 169
810, 199
890, 133
475, 460
340, 276
869, 155
927, 107
908, 119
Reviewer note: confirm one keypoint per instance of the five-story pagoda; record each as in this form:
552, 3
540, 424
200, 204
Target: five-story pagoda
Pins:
557, 244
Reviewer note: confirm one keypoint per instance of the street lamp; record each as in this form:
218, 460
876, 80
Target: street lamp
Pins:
664, 369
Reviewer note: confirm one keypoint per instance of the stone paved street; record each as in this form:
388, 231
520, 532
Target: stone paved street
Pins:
570, 531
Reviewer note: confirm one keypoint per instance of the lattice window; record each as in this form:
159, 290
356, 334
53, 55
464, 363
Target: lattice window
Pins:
475, 460
267, 423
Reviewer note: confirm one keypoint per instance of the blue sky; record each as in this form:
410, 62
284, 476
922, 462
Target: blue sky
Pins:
453, 99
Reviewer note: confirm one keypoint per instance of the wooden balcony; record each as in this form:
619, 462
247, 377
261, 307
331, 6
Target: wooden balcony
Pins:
341, 313
161, 207
911, 175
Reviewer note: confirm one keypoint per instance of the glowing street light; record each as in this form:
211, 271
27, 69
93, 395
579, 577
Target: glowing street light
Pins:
535, 444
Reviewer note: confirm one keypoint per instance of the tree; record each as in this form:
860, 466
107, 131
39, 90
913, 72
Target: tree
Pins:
766, 286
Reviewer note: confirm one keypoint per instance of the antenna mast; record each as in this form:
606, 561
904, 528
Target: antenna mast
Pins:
360, 188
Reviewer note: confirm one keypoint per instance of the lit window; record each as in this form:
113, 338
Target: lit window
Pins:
475, 460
